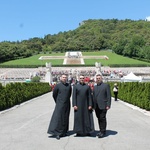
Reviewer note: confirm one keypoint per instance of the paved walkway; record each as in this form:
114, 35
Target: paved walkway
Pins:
25, 128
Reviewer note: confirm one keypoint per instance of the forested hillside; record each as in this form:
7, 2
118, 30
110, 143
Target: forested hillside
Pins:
125, 37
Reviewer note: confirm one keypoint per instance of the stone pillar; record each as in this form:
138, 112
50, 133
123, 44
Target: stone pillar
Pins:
48, 76
98, 68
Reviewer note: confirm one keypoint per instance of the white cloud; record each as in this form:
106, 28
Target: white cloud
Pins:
147, 18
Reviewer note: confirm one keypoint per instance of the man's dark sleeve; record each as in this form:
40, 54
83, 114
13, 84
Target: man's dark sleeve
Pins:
55, 92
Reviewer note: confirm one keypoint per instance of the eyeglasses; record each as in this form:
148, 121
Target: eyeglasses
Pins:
81, 78
98, 78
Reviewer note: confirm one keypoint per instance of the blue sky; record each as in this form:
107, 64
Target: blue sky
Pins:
25, 19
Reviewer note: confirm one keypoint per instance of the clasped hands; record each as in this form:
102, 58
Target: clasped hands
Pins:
76, 108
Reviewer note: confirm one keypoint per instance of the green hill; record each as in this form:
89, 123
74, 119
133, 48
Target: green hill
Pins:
124, 37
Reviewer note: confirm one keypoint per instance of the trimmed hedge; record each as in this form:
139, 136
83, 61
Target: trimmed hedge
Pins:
135, 93
15, 93
74, 65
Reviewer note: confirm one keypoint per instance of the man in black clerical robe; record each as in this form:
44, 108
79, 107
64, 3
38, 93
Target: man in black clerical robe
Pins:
82, 103
59, 123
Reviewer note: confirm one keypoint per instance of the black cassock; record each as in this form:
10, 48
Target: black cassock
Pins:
83, 118
59, 123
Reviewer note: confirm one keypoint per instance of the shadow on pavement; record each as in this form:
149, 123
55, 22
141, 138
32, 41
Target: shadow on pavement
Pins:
108, 133
94, 134
69, 133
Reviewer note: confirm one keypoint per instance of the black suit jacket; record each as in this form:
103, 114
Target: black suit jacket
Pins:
102, 95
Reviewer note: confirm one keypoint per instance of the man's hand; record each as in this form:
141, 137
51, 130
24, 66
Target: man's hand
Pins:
75, 108
107, 107
90, 107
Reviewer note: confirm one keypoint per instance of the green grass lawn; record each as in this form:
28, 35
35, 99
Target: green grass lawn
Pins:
34, 60
113, 59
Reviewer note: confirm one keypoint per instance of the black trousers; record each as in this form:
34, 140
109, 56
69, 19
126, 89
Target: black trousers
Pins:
116, 95
101, 116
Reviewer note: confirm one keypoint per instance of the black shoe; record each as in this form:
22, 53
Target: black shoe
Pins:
65, 134
104, 132
98, 134
101, 134
88, 134
57, 137
78, 134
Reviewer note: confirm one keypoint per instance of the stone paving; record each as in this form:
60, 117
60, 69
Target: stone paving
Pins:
24, 127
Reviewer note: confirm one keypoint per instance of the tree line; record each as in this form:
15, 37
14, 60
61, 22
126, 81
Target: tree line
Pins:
129, 38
